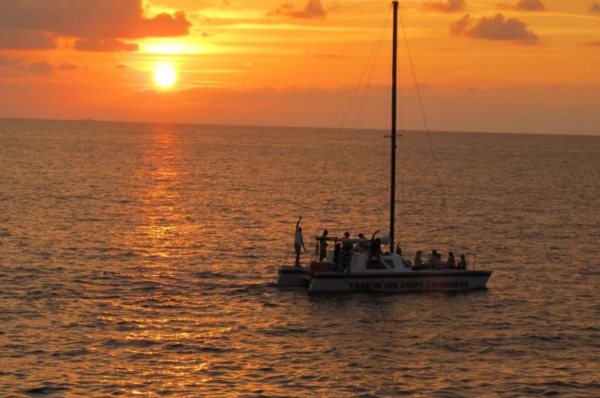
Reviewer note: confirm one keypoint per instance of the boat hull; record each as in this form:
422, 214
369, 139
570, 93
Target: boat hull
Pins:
409, 281
293, 277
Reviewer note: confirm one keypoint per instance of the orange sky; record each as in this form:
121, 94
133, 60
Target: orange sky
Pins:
483, 65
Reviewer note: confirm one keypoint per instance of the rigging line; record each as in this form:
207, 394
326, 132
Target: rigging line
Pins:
385, 156
400, 165
435, 165
356, 90
370, 80
383, 217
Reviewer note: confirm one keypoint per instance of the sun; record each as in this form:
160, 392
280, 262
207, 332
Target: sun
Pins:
165, 76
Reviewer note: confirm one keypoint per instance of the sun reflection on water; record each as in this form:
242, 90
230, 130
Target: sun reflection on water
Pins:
159, 220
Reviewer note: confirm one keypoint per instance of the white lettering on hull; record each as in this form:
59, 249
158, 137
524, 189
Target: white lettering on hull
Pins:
402, 286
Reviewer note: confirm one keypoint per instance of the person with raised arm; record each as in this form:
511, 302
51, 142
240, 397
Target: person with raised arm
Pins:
298, 242
375, 248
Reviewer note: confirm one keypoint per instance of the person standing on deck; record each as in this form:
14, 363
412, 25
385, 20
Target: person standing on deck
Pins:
451, 263
347, 246
323, 245
363, 245
418, 265
462, 264
375, 248
298, 242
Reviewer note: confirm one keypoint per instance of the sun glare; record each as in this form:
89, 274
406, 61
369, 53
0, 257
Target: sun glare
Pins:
164, 76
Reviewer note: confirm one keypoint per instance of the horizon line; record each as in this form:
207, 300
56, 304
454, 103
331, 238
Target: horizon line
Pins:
92, 120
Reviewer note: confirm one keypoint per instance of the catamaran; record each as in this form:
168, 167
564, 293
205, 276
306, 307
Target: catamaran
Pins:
359, 269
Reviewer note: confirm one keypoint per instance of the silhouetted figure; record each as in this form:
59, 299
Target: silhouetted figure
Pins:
337, 252
418, 265
375, 248
435, 261
399, 253
347, 246
398, 249
462, 264
451, 262
323, 245
362, 246
298, 242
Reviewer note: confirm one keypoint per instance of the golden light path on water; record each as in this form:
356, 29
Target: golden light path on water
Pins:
163, 228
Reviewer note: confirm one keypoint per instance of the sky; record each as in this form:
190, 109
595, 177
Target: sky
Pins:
523, 66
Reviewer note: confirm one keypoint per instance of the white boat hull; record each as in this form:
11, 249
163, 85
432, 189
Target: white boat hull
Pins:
407, 281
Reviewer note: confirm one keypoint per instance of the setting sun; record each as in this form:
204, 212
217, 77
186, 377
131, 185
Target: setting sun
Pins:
164, 76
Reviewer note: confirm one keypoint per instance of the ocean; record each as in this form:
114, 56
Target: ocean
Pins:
140, 260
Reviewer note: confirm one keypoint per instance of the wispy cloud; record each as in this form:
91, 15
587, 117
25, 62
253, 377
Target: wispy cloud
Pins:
40, 68
595, 9
20, 39
312, 9
67, 66
325, 56
524, 5
494, 28
448, 7
19, 66
107, 45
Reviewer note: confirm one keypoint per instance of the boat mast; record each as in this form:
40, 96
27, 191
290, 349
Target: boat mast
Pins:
394, 84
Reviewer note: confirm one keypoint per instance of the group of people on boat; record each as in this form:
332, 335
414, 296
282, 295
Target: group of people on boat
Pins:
345, 246
343, 249
434, 262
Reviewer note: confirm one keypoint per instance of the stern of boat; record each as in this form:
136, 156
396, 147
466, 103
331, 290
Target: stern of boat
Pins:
292, 276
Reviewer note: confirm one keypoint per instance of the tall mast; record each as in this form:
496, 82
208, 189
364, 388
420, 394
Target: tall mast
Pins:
394, 84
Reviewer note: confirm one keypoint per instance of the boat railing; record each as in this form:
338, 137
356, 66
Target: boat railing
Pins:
467, 255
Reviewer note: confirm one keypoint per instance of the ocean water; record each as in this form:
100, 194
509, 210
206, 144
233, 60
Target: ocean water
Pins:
140, 260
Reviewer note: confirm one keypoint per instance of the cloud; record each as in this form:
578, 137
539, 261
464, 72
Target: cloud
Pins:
312, 9
325, 56
595, 9
40, 68
108, 45
7, 62
494, 28
19, 39
449, 6
91, 19
524, 5
66, 66
18, 66
594, 43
